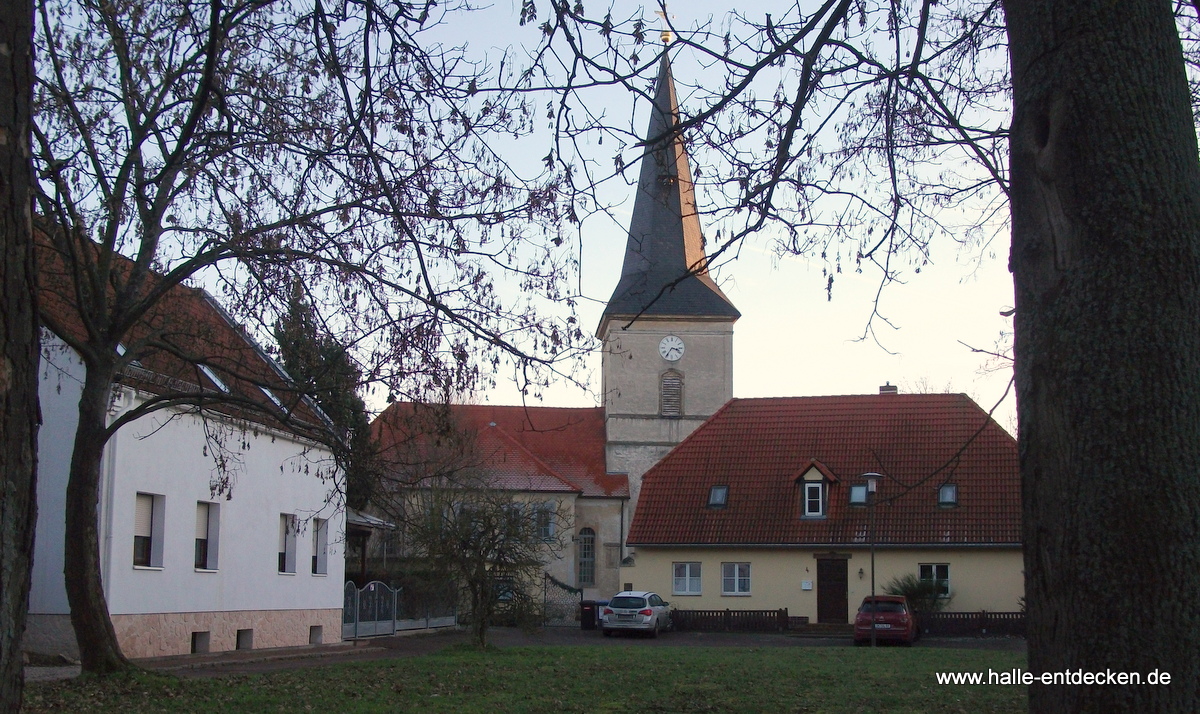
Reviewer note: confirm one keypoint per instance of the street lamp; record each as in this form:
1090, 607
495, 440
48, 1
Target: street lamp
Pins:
867, 498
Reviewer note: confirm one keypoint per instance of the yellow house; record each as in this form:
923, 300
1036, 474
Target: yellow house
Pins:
766, 506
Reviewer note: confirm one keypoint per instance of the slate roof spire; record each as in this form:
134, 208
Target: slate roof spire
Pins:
665, 271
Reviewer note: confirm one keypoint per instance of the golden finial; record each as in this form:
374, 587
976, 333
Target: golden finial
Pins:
666, 31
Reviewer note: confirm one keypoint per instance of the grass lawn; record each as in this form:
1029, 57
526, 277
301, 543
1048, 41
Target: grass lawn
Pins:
575, 679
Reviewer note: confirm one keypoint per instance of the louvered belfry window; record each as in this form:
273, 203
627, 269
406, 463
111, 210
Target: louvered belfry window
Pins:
672, 394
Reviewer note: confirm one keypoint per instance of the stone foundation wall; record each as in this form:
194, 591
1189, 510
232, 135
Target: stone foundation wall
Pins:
159, 635
170, 633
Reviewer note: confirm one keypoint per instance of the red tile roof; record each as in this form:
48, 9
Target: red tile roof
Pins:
528, 448
185, 329
760, 447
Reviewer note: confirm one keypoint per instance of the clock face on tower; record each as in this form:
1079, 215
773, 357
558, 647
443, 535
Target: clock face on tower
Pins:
671, 348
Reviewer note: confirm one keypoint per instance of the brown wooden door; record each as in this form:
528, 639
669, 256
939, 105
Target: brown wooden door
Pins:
832, 591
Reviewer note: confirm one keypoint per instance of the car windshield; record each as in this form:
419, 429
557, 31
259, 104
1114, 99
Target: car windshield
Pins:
628, 601
882, 606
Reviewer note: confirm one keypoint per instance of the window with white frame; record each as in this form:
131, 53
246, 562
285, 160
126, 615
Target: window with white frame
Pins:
587, 557
320, 546
288, 527
686, 579
148, 513
545, 520
937, 573
207, 532
814, 499
735, 578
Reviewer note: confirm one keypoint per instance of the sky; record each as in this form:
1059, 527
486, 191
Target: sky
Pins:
791, 339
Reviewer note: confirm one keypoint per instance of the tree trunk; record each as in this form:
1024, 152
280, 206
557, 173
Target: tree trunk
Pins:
19, 341
481, 596
1106, 264
99, 652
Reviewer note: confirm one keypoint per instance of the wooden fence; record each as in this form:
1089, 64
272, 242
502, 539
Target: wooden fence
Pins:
730, 620
945, 624
973, 624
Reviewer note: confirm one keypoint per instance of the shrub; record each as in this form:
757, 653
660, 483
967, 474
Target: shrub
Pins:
922, 594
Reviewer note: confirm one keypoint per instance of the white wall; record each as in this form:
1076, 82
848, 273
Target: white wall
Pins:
269, 479
59, 389
272, 474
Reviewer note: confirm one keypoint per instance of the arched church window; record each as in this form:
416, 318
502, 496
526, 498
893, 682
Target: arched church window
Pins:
587, 557
671, 394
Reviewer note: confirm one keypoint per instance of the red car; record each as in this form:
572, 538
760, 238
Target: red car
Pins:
894, 620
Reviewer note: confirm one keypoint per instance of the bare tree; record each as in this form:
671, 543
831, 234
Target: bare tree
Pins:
19, 417
251, 146
457, 519
491, 543
865, 132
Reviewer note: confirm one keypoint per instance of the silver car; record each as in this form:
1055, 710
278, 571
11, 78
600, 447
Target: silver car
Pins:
635, 610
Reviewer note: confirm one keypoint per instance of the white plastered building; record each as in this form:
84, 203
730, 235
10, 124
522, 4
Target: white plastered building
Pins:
194, 558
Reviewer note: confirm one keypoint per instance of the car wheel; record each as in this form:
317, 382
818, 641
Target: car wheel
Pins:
654, 632
607, 633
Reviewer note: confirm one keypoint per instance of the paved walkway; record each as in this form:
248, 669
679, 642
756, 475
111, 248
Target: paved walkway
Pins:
220, 664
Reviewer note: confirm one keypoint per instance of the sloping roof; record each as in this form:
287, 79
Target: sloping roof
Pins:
665, 246
186, 344
366, 520
520, 448
760, 447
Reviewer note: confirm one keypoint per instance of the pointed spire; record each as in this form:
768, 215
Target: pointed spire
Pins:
665, 271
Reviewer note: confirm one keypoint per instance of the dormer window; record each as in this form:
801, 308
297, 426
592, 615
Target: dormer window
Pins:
858, 494
948, 495
814, 481
121, 353
274, 399
814, 499
718, 496
213, 376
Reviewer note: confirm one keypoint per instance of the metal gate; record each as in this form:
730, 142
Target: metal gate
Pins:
370, 611
560, 603
377, 609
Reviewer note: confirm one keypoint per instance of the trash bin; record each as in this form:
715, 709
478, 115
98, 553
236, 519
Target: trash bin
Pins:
587, 615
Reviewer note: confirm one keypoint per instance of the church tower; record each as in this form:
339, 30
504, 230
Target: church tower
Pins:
667, 329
